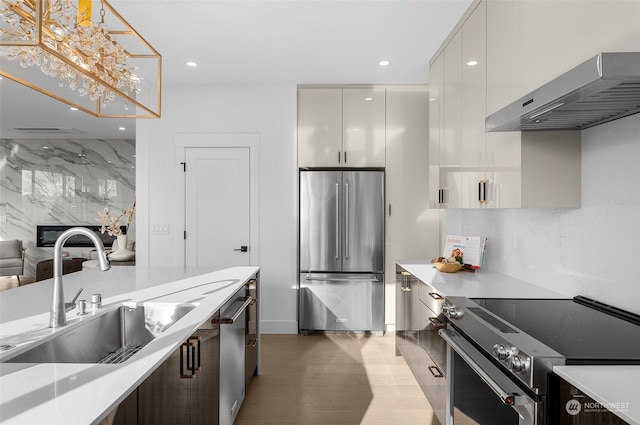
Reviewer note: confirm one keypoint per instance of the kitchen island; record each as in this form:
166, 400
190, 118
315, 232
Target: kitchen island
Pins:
83, 393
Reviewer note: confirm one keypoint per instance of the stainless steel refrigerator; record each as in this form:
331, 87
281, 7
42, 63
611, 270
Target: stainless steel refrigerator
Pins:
341, 251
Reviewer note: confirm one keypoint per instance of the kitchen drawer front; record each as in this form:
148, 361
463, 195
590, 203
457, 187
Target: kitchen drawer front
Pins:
434, 386
430, 341
431, 298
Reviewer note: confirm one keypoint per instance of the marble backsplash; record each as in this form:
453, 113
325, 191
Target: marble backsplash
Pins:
63, 182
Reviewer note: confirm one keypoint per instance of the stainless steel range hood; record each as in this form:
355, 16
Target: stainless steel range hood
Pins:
602, 89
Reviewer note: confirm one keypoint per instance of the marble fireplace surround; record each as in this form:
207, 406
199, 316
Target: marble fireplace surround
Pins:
62, 182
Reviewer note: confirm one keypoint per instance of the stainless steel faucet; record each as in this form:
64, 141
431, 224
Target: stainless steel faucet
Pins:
58, 316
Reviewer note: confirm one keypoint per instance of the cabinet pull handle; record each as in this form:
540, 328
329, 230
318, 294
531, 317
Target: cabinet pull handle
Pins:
234, 316
437, 373
435, 295
190, 372
252, 343
482, 191
196, 340
345, 157
436, 322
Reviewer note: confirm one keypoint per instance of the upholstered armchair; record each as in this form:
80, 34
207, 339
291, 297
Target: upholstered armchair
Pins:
12, 258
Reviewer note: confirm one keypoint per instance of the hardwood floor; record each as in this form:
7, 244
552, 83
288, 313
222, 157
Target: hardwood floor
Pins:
333, 379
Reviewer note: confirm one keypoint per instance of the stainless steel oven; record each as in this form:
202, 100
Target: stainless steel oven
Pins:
501, 354
479, 393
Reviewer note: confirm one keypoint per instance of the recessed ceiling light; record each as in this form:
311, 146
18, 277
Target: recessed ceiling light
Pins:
73, 108
368, 98
121, 128
472, 63
384, 62
45, 147
432, 99
191, 64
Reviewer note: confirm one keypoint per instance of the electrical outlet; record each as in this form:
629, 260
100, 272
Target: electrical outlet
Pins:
3, 218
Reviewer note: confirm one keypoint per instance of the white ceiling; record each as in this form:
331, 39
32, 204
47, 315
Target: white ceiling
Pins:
241, 42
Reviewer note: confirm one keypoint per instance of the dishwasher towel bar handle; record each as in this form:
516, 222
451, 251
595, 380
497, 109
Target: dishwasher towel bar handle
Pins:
230, 319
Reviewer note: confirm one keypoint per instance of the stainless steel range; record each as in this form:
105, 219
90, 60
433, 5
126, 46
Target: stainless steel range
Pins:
502, 352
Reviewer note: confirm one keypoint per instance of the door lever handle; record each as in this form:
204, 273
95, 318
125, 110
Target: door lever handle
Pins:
243, 248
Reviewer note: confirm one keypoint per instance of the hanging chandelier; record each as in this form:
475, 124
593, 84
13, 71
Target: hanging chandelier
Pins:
103, 67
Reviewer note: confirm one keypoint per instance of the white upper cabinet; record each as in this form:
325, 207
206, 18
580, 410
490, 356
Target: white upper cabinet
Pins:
474, 88
481, 72
436, 129
341, 127
319, 127
363, 141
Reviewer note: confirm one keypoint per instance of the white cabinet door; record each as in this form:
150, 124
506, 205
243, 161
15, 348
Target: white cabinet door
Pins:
474, 88
436, 129
451, 146
319, 127
476, 188
412, 229
363, 142
341, 127
451, 139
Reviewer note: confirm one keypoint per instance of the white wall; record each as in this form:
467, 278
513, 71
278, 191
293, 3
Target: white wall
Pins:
270, 112
589, 251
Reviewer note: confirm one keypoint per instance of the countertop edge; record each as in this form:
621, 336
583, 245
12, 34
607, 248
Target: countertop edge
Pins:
86, 393
608, 385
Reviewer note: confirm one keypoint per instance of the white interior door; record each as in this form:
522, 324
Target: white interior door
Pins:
217, 207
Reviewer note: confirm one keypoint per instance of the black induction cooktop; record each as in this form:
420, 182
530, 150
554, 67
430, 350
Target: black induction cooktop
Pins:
583, 330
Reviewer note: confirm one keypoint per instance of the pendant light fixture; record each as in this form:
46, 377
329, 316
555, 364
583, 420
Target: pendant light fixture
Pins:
100, 66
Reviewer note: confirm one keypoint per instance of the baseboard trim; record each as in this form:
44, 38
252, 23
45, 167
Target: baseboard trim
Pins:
279, 327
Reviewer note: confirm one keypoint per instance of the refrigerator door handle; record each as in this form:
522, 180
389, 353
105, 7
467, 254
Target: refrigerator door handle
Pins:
346, 221
337, 221
343, 279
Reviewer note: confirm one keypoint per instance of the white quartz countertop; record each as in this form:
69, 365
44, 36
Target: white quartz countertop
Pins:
85, 393
614, 387
479, 284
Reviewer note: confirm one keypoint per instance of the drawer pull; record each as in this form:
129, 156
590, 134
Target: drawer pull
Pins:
436, 322
435, 295
437, 373
252, 343
190, 348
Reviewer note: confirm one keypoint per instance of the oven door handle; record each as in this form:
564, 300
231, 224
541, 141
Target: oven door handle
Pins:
510, 399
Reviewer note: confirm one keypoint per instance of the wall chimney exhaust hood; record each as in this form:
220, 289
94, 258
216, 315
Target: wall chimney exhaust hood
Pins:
602, 89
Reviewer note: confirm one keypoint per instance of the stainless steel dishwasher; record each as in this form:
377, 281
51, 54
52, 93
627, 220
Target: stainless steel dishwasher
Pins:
232, 355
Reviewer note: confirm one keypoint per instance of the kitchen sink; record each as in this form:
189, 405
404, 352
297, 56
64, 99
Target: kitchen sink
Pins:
111, 336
